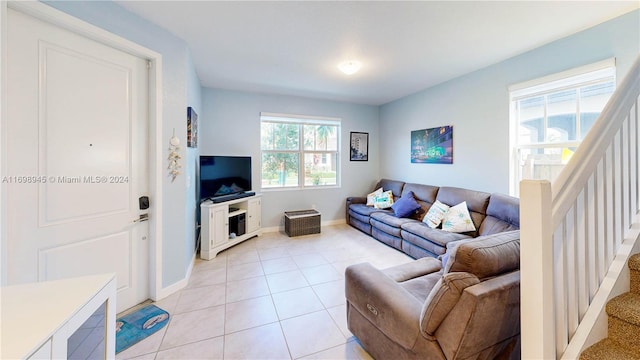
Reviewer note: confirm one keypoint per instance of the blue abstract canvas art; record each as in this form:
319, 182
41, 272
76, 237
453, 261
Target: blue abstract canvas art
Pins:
432, 146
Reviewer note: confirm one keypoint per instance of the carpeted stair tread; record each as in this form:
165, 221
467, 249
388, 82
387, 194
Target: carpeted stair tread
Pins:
634, 272
634, 262
625, 307
608, 350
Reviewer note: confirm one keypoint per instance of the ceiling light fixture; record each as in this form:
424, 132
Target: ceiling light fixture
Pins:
350, 66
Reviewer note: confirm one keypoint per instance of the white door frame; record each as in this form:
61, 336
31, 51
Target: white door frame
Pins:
53, 16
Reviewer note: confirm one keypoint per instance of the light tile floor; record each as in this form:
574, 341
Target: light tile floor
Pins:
270, 297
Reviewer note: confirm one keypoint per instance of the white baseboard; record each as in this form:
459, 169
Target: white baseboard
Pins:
179, 285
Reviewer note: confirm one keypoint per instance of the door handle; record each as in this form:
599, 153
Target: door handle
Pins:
143, 217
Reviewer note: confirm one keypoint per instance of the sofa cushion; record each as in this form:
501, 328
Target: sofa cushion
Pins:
486, 257
442, 298
413, 269
364, 210
394, 185
477, 202
406, 205
372, 196
425, 195
421, 286
388, 223
503, 214
436, 213
457, 219
436, 236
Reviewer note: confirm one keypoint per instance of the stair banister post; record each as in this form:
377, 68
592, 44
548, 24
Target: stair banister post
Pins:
537, 312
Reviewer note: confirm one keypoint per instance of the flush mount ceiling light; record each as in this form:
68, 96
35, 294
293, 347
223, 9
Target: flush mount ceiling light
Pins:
350, 66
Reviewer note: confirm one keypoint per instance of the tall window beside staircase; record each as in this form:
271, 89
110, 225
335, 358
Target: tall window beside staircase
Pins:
550, 116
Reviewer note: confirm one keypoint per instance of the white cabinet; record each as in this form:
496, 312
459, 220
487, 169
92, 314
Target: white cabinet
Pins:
219, 226
254, 215
228, 223
39, 320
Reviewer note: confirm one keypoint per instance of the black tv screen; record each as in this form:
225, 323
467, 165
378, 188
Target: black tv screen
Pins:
224, 175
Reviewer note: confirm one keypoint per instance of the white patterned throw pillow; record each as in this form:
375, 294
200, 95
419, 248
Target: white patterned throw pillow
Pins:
372, 197
435, 214
383, 201
458, 219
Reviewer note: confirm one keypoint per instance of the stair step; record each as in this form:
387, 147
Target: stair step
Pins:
625, 307
608, 350
634, 262
624, 320
634, 271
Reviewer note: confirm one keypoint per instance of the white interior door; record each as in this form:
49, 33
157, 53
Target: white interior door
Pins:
77, 159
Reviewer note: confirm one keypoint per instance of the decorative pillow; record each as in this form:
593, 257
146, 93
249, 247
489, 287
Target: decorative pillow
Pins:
442, 298
371, 197
383, 201
435, 214
406, 205
457, 219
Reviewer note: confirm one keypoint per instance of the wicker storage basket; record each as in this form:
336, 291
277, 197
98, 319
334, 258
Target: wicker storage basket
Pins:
301, 222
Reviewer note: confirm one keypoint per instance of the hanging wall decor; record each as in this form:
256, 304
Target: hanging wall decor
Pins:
192, 128
174, 157
359, 146
432, 146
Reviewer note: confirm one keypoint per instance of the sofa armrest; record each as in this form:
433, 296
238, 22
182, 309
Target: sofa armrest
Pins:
356, 200
353, 200
413, 269
490, 310
382, 301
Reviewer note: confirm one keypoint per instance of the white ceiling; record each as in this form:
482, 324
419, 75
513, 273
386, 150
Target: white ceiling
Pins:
293, 48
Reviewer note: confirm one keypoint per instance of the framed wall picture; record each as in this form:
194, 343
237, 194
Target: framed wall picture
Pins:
432, 146
359, 146
192, 128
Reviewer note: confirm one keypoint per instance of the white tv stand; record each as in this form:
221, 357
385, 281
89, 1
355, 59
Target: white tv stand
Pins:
215, 219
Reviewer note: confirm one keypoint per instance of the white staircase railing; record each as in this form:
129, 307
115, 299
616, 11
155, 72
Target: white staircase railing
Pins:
574, 231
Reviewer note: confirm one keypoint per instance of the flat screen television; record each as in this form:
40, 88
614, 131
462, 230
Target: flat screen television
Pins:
224, 176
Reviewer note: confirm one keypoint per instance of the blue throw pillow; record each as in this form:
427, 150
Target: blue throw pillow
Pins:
405, 206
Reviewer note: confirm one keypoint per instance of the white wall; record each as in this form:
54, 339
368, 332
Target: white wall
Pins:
178, 83
477, 105
231, 126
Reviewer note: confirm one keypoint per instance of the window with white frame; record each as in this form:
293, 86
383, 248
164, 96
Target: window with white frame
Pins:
299, 151
550, 116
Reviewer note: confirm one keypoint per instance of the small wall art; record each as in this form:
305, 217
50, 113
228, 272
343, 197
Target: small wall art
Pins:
432, 146
359, 146
192, 128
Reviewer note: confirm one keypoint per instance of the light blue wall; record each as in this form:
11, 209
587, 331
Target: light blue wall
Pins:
231, 126
477, 105
194, 99
180, 86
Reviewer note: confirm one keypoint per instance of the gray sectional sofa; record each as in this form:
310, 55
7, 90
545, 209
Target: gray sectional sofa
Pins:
490, 213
